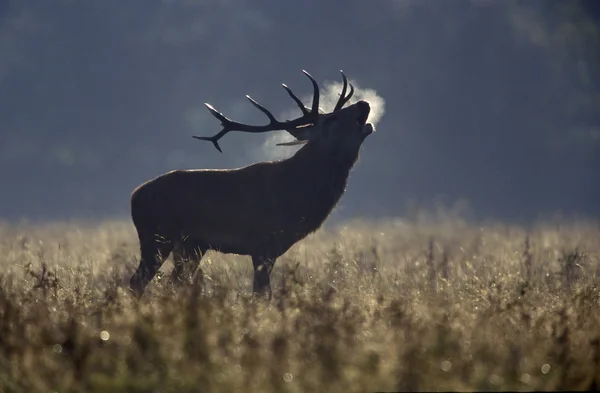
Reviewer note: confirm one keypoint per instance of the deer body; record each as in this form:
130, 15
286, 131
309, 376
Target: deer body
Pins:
260, 210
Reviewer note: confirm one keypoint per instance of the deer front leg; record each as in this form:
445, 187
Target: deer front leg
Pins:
262, 273
186, 259
154, 254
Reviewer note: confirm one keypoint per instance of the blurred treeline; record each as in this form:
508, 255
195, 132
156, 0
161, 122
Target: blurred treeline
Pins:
493, 102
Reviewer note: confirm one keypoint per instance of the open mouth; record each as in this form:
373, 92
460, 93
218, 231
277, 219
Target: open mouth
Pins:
367, 129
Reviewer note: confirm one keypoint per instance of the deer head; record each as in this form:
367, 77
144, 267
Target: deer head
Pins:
341, 131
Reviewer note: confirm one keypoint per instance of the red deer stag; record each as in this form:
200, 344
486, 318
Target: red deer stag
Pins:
260, 210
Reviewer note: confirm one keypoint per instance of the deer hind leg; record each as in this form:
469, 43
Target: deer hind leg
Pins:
262, 275
186, 259
154, 251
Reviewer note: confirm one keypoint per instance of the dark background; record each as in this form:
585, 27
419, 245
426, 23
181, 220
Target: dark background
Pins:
495, 103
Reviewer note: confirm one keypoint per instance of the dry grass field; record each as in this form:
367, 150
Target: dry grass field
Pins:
426, 304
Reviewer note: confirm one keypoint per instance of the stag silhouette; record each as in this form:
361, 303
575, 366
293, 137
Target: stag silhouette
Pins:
259, 210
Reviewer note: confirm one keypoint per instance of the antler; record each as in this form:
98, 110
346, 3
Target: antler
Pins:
307, 118
343, 97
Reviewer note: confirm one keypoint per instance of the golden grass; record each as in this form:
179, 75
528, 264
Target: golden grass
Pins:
419, 305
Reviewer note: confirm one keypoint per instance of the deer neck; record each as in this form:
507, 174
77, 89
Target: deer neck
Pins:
325, 165
315, 182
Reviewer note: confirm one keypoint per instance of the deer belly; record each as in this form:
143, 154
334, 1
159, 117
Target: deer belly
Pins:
243, 241
228, 240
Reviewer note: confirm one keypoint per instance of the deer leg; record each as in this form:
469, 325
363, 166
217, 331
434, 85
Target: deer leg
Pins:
195, 270
154, 252
186, 260
262, 273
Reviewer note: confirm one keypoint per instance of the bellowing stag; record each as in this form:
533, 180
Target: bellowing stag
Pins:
259, 210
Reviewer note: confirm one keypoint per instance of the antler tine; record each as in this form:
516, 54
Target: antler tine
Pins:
216, 113
229, 125
213, 139
343, 97
304, 110
316, 94
262, 109
341, 100
225, 122
349, 94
